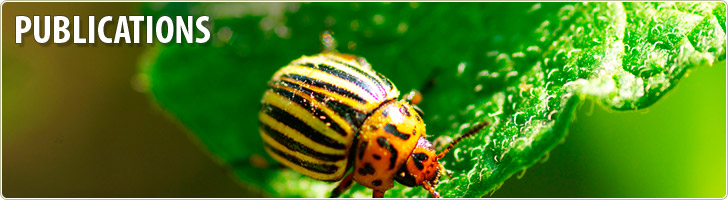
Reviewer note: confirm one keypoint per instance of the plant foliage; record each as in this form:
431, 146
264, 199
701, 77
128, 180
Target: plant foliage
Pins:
522, 66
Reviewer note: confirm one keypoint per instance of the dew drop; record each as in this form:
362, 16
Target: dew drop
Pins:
266, 24
354, 25
534, 8
463, 127
483, 73
351, 45
378, 19
478, 88
282, 32
470, 107
329, 21
224, 34
402, 28
518, 55
478, 113
461, 69
511, 74
533, 49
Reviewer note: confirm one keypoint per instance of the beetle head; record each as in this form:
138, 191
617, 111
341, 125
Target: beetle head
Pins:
423, 168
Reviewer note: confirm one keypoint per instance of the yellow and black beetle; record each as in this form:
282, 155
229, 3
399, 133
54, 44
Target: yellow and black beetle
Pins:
327, 113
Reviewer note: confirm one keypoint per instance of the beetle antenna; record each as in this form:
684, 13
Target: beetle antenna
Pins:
471, 132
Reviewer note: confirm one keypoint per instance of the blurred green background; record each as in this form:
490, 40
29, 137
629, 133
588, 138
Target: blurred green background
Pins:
76, 127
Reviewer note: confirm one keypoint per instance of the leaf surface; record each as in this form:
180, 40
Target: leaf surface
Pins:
524, 67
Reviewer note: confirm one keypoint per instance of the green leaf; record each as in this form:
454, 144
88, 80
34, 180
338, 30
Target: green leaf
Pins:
522, 66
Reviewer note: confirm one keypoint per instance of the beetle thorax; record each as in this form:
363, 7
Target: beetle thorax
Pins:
386, 140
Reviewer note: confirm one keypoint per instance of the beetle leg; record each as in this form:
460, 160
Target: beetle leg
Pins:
431, 190
378, 194
344, 185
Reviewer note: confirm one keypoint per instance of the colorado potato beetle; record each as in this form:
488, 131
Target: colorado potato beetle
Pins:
328, 113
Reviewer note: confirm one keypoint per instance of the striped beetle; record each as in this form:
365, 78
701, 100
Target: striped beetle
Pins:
328, 113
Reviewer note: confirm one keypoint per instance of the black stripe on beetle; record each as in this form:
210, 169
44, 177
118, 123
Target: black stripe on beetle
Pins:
327, 86
377, 83
320, 168
386, 81
383, 142
282, 116
392, 129
377, 182
346, 112
343, 75
298, 147
314, 111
